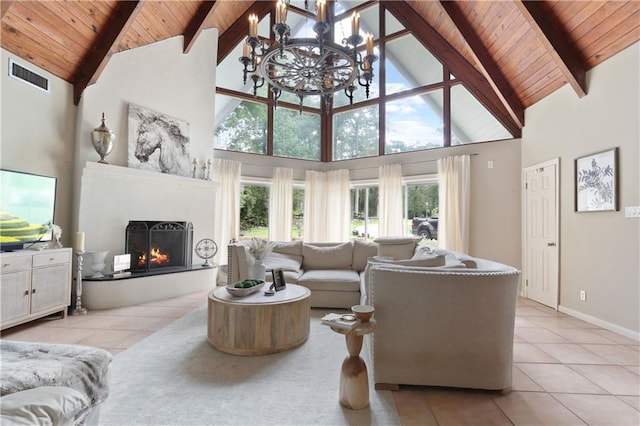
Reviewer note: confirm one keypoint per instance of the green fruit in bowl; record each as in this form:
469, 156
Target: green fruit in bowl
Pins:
247, 284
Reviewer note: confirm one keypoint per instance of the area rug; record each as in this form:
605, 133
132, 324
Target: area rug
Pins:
175, 377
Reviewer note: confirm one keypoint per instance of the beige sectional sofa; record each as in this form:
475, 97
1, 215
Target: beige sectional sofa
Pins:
332, 271
449, 325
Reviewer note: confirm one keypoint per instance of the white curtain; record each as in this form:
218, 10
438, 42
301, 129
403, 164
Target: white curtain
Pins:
281, 205
454, 181
227, 174
327, 209
390, 201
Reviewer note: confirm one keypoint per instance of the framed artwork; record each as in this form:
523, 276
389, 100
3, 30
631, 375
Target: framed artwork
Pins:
278, 279
158, 142
597, 182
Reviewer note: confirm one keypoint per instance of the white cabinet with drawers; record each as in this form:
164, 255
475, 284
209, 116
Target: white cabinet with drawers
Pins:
34, 284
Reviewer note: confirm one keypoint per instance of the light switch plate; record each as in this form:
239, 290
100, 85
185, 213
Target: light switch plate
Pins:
632, 211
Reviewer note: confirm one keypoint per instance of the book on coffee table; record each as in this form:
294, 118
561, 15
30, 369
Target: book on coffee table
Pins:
345, 321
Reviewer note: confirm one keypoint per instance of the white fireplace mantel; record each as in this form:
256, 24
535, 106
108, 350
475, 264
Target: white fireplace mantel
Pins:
111, 196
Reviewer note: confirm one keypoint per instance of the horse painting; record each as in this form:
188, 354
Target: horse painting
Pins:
158, 142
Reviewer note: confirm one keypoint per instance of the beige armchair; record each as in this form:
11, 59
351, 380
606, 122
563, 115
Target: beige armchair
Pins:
440, 326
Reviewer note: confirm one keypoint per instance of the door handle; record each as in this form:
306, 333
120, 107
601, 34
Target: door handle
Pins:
551, 244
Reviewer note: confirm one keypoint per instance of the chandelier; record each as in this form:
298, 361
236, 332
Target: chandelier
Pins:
308, 66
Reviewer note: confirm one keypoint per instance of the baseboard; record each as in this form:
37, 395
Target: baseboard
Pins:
601, 323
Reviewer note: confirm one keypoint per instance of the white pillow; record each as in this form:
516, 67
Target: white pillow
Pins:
423, 252
396, 247
288, 247
427, 262
332, 257
44, 405
286, 262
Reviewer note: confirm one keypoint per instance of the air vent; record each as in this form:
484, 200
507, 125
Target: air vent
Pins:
26, 75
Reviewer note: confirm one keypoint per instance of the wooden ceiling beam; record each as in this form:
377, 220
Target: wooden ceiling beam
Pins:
555, 41
99, 54
196, 24
239, 30
473, 79
495, 77
4, 7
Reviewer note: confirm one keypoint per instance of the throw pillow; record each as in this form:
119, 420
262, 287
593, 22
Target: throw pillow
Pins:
361, 252
286, 262
330, 257
288, 247
397, 247
430, 262
423, 252
44, 405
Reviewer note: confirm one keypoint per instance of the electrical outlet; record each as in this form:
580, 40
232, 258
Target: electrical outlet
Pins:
583, 295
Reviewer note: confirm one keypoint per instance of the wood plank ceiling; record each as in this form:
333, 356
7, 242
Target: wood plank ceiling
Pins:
510, 54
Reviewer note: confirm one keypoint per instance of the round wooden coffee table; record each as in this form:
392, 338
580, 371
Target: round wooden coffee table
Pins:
258, 324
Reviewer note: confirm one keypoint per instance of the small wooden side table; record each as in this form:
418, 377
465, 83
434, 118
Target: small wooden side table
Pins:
354, 380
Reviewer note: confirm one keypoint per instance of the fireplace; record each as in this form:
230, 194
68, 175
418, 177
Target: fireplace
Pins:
157, 247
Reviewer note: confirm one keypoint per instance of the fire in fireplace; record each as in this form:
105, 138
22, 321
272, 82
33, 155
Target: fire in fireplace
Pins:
157, 246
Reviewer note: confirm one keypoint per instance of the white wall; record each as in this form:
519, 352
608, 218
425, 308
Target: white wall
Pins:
37, 133
159, 77
600, 251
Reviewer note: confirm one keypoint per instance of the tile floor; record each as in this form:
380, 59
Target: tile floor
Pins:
566, 371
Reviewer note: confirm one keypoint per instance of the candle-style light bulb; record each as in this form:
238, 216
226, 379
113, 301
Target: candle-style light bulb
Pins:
253, 25
281, 12
355, 23
369, 44
321, 5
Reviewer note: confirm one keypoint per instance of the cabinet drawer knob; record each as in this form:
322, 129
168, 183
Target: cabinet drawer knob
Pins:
33, 291
26, 292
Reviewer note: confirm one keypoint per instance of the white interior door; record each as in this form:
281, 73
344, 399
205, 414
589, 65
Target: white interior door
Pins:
541, 225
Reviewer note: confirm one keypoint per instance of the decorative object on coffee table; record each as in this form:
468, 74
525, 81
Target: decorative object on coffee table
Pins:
206, 249
354, 379
103, 140
244, 288
259, 249
278, 279
597, 182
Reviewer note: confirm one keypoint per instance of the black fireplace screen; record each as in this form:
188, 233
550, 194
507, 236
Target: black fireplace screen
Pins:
159, 246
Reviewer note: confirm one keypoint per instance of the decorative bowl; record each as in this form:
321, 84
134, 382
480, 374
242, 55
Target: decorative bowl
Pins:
241, 292
363, 312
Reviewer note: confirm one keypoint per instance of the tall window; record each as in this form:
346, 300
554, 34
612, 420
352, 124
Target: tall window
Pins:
254, 211
297, 233
421, 207
420, 104
364, 211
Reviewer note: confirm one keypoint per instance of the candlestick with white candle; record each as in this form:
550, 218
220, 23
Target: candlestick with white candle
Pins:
80, 241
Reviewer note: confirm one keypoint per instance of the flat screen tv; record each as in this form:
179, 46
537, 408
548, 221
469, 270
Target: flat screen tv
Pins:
27, 207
